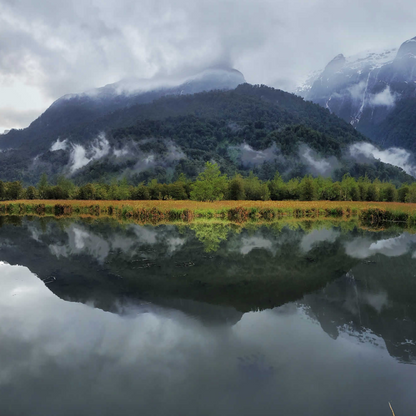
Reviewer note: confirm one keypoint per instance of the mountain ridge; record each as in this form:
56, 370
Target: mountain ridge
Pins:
371, 91
247, 128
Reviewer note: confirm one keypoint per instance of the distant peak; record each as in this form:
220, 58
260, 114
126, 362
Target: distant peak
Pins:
407, 48
337, 63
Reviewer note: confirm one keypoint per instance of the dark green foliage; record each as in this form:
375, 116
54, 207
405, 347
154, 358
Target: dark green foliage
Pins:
2, 190
14, 190
43, 186
140, 193
388, 193
372, 193
203, 126
86, 192
210, 184
31, 192
402, 193
236, 189
57, 192
255, 190
307, 191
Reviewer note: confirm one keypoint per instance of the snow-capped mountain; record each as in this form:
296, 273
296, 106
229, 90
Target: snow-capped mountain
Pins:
375, 91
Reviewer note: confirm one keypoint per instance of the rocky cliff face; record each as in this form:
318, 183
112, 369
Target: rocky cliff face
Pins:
374, 91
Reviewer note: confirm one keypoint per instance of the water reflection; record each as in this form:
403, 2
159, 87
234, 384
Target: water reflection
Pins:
143, 320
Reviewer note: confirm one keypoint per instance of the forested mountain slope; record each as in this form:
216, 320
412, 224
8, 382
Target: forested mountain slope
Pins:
249, 128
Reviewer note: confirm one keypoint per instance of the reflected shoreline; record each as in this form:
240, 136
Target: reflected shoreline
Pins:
97, 309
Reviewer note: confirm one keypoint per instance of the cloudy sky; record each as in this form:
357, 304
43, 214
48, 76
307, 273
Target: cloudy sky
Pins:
52, 47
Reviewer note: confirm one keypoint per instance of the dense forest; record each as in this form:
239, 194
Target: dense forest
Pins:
179, 134
212, 185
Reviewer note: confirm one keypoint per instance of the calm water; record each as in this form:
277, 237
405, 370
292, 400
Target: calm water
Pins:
99, 318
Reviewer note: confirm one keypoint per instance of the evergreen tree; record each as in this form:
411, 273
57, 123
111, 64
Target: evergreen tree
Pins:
236, 189
31, 193
14, 190
277, 188
307, 191
2, 191
210, 184
43, 186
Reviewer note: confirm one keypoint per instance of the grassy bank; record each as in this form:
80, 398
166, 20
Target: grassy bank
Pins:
237, 211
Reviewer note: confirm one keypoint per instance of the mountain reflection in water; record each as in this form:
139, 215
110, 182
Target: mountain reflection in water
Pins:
99, 318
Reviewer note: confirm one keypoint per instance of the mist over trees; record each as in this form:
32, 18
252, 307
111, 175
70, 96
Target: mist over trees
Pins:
252, 128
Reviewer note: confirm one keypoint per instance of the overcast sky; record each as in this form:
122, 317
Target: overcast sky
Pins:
52, 47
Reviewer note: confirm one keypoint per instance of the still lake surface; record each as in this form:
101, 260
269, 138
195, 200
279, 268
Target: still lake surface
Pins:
102, 318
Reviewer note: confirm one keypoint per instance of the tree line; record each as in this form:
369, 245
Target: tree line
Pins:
212, 185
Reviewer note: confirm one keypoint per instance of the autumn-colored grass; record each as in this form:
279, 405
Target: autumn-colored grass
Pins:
221, 205
236, 211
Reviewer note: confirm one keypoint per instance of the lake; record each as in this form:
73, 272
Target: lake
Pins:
99, 317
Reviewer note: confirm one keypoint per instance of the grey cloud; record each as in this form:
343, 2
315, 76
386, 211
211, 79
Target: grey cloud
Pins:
80, 156
10, 117
384, 98
81, 240
251, 157
393, 155
362, 248
250, 243
317, 236
316, 164
68, 47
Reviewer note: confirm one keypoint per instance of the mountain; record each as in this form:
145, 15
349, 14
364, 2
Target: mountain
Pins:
374, 91
121, 130
75, 109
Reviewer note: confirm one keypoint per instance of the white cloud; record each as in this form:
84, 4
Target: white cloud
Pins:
317, 236
54, 48
250, 243
251, 157
316, 164
384, 98
81, 156
394, 156
59, 145
362, 248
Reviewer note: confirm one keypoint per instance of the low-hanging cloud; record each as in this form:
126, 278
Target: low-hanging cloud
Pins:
251, 157
394, 156
357, 91
149, 160
316, 164
384, 98
134, 156
59, 145
81, 156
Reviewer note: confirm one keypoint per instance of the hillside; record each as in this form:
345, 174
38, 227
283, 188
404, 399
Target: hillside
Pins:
248, 128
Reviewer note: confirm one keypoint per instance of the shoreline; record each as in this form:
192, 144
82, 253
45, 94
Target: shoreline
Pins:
375, 213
